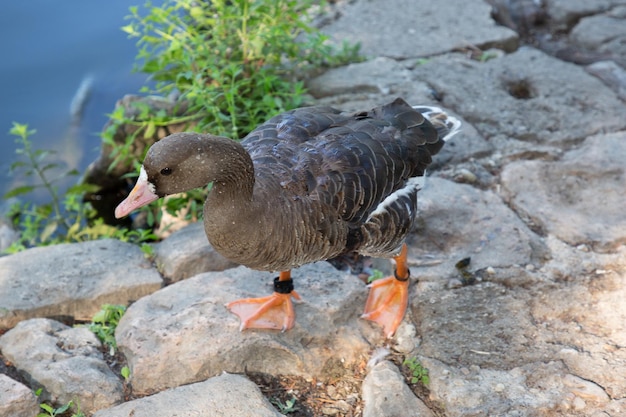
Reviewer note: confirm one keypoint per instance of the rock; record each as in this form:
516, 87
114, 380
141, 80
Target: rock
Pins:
366, 85
574, 198
525, 103
612, 75
187, 323
224, 395
522, 15
519, 391
411, 29
565, 13
601, 33
187, 253
406, 340
475, 325
385, 394
585, 389
72, 280
65, 361
16, 400
378, 75
457, 221
466, 145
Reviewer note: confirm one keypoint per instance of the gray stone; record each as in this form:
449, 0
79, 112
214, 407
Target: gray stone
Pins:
586, 389
16, 400
507, 347
565, 13
465, 145
187, 253
385, 394
72, 280
612, 75
66, 362
521, 391
602, 34
457, 221
224, 395
378, 75
404, 29
188, 323
527, 103
575, 198
367, 84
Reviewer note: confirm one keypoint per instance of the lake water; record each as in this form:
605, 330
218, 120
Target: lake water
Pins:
52, 52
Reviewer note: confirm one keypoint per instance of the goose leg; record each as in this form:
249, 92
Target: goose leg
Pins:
388, 297
272, 312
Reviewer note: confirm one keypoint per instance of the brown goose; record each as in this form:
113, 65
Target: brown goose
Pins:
308, 185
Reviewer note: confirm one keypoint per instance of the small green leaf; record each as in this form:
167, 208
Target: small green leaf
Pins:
125, 372
24, 189
63, 408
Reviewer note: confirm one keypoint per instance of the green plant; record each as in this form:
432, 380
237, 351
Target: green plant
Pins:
53, 412
148, 251
234, 62
65, 218
105, 322
125, 372
287, 407
376, 274
418, 372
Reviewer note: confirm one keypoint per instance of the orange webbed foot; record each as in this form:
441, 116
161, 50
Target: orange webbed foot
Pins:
272, 312
389, 297
386, 303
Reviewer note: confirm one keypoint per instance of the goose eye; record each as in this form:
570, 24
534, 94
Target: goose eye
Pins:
166, 171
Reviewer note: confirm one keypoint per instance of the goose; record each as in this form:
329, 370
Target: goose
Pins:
309, 184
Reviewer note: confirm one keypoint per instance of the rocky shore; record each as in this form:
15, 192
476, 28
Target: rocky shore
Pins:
532, 190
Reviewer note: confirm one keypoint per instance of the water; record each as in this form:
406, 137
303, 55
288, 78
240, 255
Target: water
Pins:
54, 53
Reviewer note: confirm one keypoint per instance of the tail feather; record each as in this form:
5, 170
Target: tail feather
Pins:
447, 126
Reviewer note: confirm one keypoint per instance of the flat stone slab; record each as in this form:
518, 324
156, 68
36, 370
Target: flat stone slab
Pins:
525, 103
507, 346
72, 280
414, 28
458, 221
66, 362
188, 323
576, 197
224, 395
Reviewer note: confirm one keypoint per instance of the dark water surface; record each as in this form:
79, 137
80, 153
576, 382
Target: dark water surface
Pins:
64, 65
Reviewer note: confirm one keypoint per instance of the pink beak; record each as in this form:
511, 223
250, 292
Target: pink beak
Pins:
141, 195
